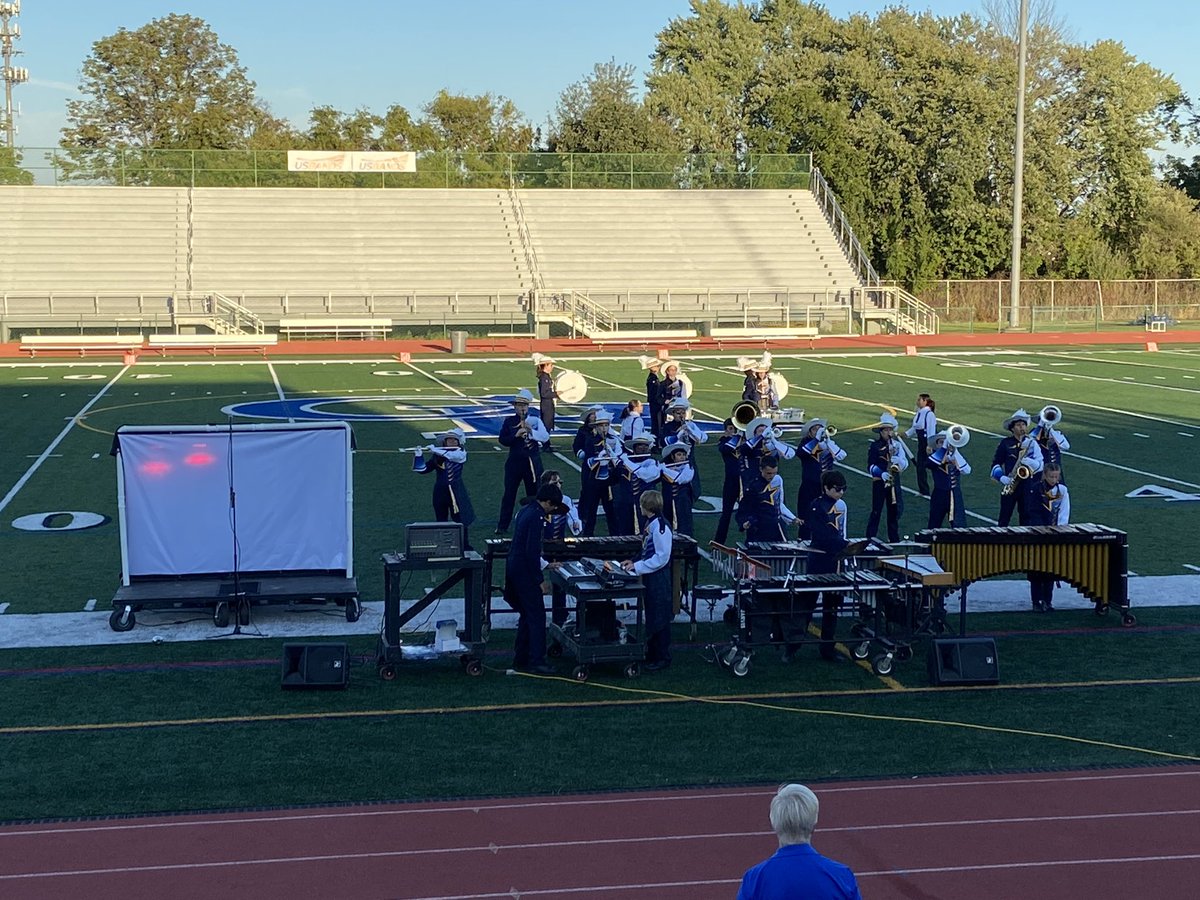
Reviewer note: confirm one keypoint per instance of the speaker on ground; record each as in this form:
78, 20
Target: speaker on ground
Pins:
964, 661
315, 666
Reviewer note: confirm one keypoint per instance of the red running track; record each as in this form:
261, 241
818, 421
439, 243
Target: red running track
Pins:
1128, 833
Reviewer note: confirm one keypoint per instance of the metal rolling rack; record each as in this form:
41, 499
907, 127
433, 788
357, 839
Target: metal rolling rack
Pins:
594, 636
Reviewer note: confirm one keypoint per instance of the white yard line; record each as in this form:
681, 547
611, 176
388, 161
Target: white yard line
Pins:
46, 454
278, 387
1077, 376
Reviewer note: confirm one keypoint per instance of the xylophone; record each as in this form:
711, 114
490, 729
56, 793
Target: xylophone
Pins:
1092, 558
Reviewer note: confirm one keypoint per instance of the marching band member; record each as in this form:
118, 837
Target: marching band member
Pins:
745, 365
826, 518
654, 567
1018, 449
670, 389
763, 513
948, 466
544, 366
680, 428
586, 421
637, 472
653, 394
677, 476
886, 459
558, 523
765, 393
523, 586
1053, 507
451, 502
1051, 441
817, 454
597, 458
630, 420
523, 434
924, 427
731, 489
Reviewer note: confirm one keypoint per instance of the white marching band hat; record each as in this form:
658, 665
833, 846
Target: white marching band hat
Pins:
812, 423
683, 447
753, 427
524, 395
1019, 416
645, 439
746, 362
886, 420
650, 362
601, 414
668, 363
679, 403
540, 360
456, 433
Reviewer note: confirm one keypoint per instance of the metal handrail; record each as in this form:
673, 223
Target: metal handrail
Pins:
842, 228
531, 260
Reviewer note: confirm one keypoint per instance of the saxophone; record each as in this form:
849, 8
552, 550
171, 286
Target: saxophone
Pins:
1022, 470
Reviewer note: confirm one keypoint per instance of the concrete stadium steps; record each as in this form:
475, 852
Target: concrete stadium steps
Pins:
79, 239
339, 240
606, 240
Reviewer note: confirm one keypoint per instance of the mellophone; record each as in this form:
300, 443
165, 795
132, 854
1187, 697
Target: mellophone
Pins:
1092, 558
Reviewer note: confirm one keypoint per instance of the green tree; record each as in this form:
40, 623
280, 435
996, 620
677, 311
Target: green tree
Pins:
602, 113
1183, 176
10, 168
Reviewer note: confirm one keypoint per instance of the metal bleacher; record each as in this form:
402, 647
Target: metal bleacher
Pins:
79, 258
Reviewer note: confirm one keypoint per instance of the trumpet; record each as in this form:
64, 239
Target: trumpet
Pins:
828, 432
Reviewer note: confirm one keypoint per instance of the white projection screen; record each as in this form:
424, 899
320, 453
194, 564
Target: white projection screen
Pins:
180, 486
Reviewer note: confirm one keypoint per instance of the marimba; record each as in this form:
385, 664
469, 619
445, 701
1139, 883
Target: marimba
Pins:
1091, 558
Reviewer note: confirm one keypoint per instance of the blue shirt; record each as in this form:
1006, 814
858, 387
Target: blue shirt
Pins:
798, 872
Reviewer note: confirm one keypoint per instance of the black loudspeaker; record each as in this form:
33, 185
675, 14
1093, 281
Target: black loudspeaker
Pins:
964, 661
315, 666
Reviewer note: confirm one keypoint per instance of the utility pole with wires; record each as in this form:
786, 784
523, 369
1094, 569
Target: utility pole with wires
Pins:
13, 75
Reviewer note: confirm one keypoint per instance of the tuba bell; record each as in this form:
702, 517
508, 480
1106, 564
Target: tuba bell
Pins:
744, 412
957, 436
1050, 416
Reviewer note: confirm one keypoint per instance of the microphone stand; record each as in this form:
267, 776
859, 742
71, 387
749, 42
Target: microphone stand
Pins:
238, 599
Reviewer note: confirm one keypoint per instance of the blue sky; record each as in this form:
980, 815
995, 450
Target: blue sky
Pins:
375, 53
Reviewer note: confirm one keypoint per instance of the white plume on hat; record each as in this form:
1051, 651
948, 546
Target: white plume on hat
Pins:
524, 395
650, 362
745, 362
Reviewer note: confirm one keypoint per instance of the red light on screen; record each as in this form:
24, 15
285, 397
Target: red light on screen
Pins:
200, 458
155, 467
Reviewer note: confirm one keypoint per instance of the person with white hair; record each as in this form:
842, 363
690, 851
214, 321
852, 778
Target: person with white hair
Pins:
797, 870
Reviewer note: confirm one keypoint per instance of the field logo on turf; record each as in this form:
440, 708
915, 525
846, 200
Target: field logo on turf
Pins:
1161, 493
59, 521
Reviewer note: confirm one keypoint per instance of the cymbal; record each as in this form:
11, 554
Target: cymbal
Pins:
909, 544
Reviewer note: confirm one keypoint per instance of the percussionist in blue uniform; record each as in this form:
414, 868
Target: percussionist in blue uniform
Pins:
827, 523
654, 567
451, 502
524, 590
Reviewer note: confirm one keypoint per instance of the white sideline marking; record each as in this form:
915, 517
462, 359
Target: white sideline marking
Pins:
23, 480
51, 456
90, 606
1190, 566
3, 608
95, 456
1098, 437
278, 387
1139, 434
1184, 434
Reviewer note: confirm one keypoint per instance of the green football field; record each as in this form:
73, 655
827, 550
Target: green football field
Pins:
1133, 419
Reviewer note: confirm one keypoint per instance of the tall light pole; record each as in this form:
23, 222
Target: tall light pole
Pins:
1014, 312
12, 75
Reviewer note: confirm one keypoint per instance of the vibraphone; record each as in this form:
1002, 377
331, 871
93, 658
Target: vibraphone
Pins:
776, 610
685, 563
1092, 558
791, 557
595, 635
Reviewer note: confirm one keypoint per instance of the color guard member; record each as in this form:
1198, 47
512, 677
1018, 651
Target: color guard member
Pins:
886, 459
924, 427
523, 434
1017, 450
654, 567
